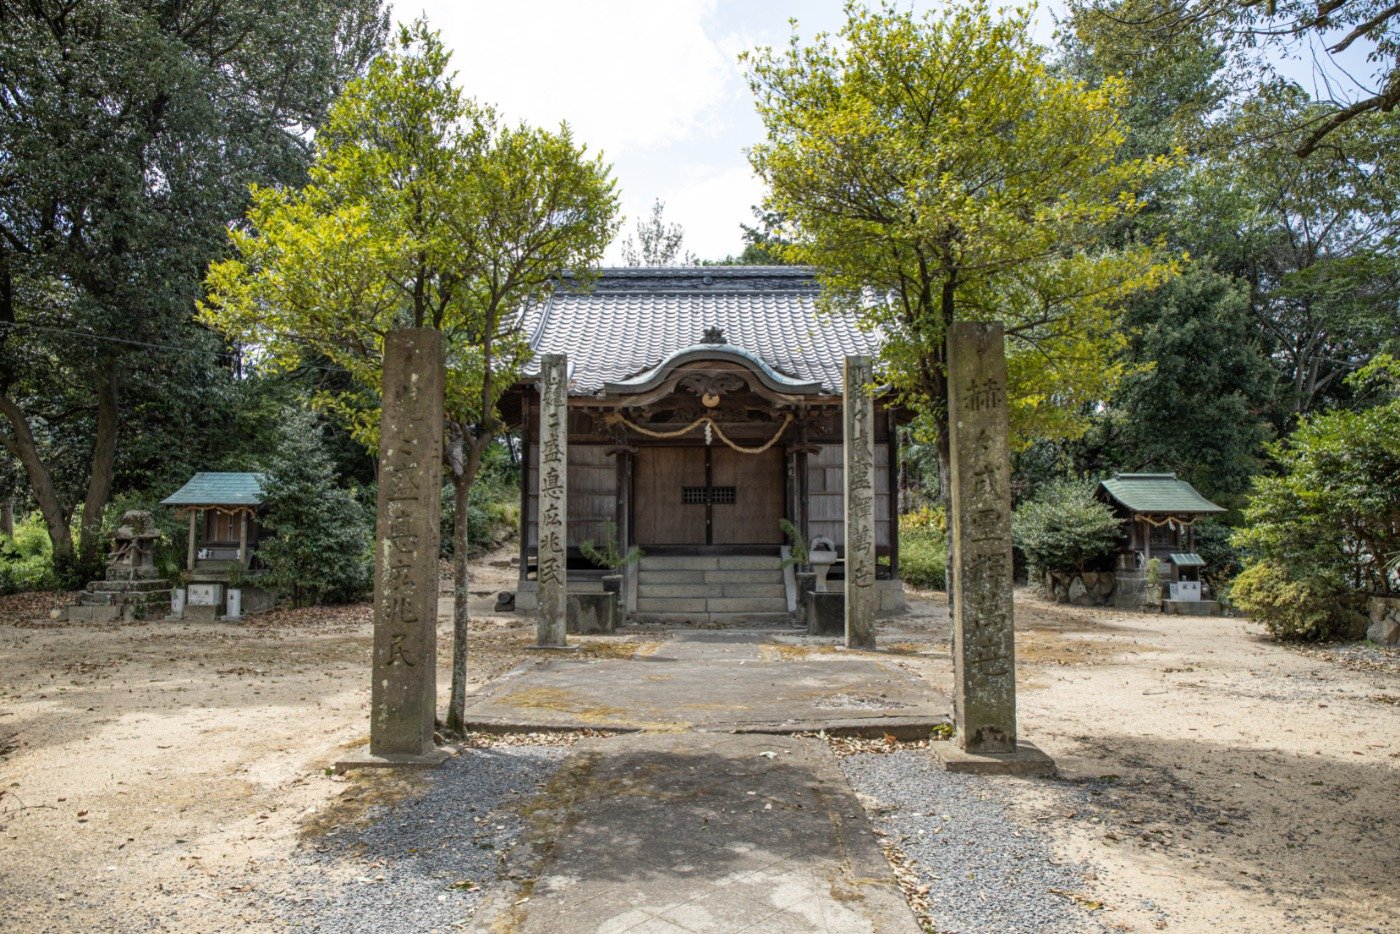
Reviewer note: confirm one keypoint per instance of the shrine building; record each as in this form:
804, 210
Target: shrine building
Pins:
704, 410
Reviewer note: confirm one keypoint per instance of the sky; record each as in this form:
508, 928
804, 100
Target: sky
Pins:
654, 84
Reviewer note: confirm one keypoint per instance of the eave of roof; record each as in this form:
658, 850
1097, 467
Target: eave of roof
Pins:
1157, 493
219, 488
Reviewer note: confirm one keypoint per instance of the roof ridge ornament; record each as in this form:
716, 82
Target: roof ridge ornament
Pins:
713, 335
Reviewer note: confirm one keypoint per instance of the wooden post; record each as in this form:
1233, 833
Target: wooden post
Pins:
243, 539
194, 519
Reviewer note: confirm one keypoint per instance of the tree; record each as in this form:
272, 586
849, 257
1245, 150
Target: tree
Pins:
322, 540
423, 210
934, 169
1313, 237
658, 243
1065, 528
1246, 25
128, 135
1198, 398
1334, 508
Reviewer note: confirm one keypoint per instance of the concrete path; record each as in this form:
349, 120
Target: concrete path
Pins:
713, 681
701, 832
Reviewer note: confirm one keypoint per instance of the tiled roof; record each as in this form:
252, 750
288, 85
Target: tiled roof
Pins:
1187, 559
1157, 492
218, 489
632, 319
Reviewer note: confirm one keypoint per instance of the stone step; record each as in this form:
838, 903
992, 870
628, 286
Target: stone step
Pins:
712, 590
711, 604
714, 618
725, 576
708, 562
139, 586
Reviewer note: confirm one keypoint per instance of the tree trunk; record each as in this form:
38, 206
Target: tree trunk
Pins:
22, 445
464, 458
7, 517
104, 456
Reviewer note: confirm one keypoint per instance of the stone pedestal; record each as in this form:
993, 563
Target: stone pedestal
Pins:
404, 690
826, 613
1027, 761
984, 658
861, 599
553, 501
592, 613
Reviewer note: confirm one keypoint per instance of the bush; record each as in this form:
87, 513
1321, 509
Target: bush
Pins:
1309, 609
493, 505
1065, 528
26, 561
1223, 560
923, 558
321, 548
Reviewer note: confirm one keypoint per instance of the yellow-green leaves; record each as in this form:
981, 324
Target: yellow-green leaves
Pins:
936, 160
423, 210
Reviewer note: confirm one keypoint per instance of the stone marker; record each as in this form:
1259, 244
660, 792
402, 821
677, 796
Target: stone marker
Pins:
404, 691
553, 500
861, 598
984, 654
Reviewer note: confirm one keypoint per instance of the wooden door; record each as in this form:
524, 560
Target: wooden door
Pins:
660, 514
759, 497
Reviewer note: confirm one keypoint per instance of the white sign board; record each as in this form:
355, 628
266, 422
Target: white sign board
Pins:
204, 594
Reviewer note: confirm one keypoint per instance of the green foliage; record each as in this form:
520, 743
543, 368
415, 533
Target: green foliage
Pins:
933, 169
1065, 528
923, 557
26, 560
797, 548
493, 504
1223, 560
424, 210
321, 548
1292, 608
1333, 511
658, 243
130, 133
610, 555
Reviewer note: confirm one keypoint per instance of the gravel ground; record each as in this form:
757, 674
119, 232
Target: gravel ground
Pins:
423, 864
984, 871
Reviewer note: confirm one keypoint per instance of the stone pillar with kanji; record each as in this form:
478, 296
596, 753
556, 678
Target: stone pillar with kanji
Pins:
404, 690
862, 600
984, 645
552, 561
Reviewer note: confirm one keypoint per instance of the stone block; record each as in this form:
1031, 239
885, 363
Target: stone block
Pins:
752, 590
746, 604
892, 601
743, 576
592, 613
671, 576
826, 614
858, 433
1384, 618
675, 605
1025, 761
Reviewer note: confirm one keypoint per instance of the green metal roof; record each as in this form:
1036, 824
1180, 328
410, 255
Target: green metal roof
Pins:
218, 489
1157, 492
1187, 559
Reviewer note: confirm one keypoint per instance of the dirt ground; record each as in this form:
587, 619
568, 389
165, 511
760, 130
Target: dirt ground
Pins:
151, 774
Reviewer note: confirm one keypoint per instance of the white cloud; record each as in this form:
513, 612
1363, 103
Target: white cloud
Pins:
709, 202
625, 74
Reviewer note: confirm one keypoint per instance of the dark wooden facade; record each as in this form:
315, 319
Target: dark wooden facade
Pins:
681, 495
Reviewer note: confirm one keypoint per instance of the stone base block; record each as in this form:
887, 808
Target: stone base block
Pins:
1026, 762
1191, 607
366, 760
826, 614
891, 594
591, 613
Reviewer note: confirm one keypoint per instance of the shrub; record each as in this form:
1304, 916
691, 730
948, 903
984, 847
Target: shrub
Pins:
1292, 609
1064, 528
321, 548
923, 558
26, 560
